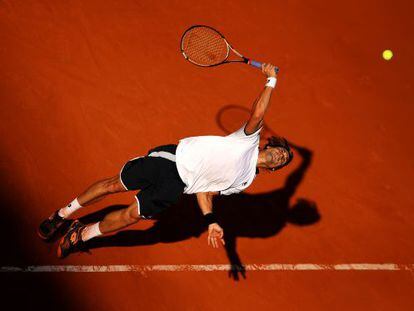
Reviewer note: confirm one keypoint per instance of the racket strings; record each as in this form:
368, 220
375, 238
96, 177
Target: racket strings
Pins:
204, 46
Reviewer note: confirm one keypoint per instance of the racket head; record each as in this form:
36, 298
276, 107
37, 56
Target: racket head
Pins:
204, 46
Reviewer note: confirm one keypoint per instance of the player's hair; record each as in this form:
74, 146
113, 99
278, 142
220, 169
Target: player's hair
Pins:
277, 141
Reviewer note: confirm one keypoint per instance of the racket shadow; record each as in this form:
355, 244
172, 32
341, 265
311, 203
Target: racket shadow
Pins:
231, 117
244, 215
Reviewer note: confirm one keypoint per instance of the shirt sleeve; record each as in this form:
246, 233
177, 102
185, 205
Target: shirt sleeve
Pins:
241, 134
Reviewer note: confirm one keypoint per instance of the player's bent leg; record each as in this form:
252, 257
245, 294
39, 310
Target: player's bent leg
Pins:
74, 240
94, 193
100, 189
120, 219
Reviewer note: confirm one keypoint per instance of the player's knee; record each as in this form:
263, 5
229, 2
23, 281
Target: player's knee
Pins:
113, 185
132, 214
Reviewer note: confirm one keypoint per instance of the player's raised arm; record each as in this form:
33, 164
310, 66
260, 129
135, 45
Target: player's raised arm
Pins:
261, 104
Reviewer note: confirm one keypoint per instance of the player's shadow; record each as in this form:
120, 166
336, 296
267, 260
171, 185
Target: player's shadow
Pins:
242, 215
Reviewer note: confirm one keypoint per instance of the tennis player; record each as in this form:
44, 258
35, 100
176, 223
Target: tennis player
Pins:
204, 165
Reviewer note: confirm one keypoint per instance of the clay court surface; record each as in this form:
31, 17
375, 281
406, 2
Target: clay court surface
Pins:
87, 85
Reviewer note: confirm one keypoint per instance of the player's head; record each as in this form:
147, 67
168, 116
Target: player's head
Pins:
277, 153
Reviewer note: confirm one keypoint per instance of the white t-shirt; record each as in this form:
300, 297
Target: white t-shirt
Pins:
218, 163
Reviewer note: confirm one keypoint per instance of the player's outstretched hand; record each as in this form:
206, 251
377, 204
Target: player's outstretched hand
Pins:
215, 232
268, 70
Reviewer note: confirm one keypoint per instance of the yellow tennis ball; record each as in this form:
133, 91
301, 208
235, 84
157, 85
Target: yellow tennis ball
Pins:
387, 54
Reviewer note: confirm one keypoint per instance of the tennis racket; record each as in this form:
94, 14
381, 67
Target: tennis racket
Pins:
206, 47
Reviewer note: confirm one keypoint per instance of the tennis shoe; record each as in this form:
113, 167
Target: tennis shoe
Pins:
72, 242
50, 226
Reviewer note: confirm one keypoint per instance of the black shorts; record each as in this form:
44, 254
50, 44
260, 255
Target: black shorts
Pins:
156, 177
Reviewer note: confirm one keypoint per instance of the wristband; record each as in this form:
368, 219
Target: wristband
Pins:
271, 82
209, 219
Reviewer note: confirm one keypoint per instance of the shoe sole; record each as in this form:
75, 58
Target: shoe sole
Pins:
50, 236
43, 237
60, 229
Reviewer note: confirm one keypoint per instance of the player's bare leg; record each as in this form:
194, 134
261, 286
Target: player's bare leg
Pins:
120, 219
92, 194
101, 189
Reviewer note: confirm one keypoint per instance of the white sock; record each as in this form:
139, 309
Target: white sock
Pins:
69, 209
90, 232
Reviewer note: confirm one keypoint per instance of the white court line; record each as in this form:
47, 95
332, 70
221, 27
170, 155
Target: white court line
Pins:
211, 268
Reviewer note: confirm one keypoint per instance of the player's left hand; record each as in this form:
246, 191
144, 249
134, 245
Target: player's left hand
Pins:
215, 232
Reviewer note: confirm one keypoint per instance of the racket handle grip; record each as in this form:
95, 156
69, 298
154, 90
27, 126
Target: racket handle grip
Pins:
259, 65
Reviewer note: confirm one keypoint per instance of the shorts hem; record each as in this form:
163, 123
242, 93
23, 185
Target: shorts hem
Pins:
139, 209
120, 179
